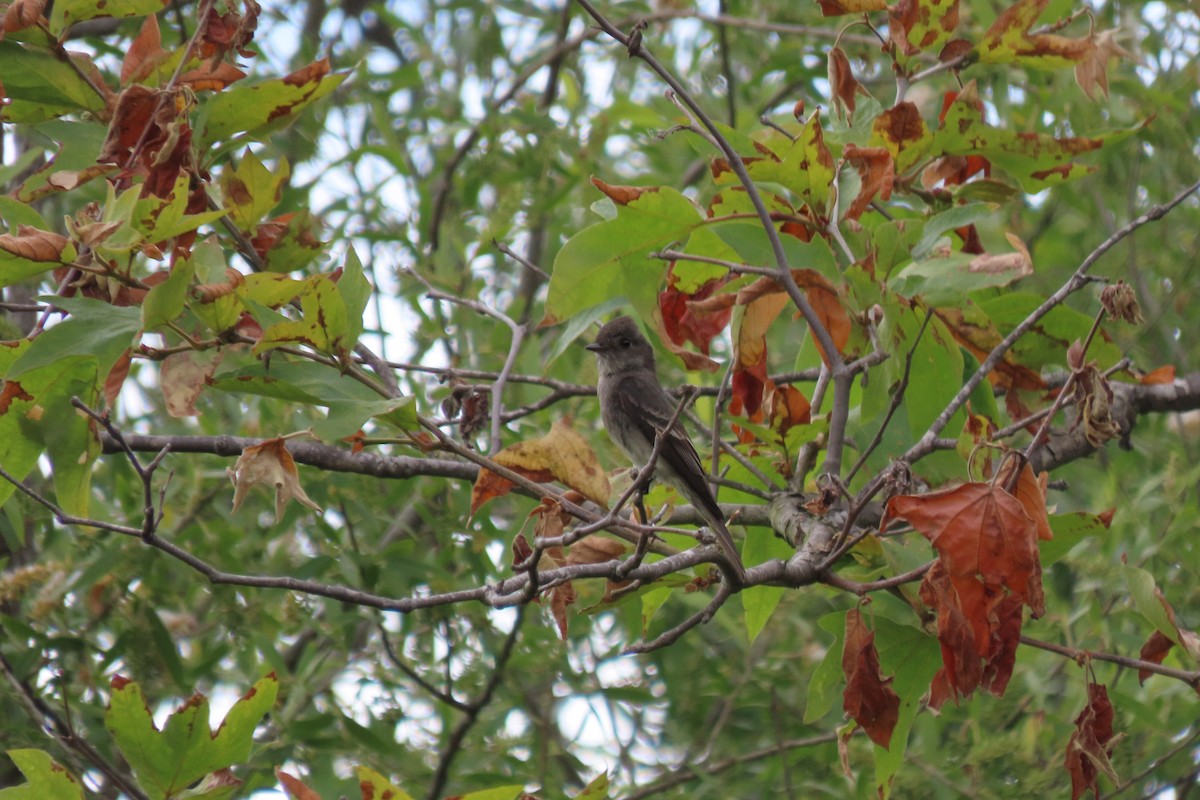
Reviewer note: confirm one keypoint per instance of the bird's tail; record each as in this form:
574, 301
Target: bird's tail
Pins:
725, 541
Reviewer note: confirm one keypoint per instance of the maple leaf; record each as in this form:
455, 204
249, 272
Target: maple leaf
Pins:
1092, 69
981, 532
868, 698
1091, 744
270, 464
560, 455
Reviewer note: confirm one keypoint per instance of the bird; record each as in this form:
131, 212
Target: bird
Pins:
635, 408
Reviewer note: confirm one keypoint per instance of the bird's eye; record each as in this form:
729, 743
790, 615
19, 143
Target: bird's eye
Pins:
626, 342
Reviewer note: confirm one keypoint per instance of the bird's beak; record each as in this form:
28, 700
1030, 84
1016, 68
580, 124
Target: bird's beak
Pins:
595, 347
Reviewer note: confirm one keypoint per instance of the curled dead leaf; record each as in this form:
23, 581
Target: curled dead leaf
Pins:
1120, 302
843, 84
269, 464
1091, 745
1091, 70
35, 244
868, 697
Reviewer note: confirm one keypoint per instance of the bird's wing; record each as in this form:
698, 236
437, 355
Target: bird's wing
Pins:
651, 408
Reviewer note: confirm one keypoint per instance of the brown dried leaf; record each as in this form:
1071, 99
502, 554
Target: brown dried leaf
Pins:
184, 377
595, 549
269, 464
145, 53
1091, 744
1121, 303
34, 244
868, 697
1092, 68
622, 195
22, 14
843, 84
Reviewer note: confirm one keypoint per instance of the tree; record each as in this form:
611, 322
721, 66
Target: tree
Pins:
885, 240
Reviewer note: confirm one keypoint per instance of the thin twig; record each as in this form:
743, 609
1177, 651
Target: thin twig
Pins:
1073, 284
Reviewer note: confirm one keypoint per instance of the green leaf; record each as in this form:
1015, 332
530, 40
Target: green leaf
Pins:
162, 218
375, 785
355, 291
94, 328
948, 220
937, 357
186, 750
608, 259
912, 657
323, 325
41, 86
16, 213
1146, 599
47, 780
250, 190
67, 12
270, 289
297, 246
1035, 160
759, 602
257, 109
948, 280
38, 415
1069, 530
805, 168
1046, 344
499, 793
824, 687
597, 789
350, 403
78, 146
166, 301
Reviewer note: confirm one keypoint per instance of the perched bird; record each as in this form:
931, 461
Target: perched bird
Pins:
636, 408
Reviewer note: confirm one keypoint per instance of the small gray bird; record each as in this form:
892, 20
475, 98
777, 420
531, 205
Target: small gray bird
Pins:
635, 408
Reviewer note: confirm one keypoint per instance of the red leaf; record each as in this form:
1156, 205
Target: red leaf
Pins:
686, 321
868, 698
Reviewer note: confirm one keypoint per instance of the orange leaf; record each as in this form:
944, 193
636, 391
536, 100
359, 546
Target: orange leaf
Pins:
145, 53
294, 787
622, 195
1161, 375
868, 698
824, 300
877, 171
981, 532
787, 407
22, 14
270, 464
